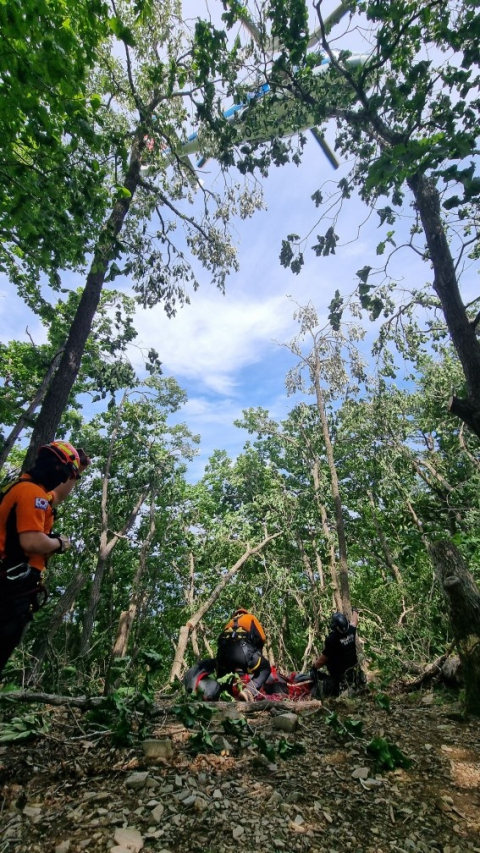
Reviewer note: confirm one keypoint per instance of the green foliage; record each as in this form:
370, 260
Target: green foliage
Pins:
265, 748
288, 749
344, 728
201, 741
239, 729
26, 727
283, 748
115, 716
383, 701
192, 713
51, 136
387, 755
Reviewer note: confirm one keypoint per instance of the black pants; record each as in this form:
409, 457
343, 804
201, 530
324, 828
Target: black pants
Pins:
329, 685
18, 603
240, 656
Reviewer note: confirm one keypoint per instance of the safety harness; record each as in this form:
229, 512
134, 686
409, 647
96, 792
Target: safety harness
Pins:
247, 639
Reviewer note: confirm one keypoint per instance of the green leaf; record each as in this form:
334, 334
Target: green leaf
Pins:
387, 755
122, 192
364, 273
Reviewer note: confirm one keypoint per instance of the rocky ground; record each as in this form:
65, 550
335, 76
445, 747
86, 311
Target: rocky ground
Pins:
70, 790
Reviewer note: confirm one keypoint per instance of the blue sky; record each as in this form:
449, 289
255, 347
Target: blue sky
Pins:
224, 349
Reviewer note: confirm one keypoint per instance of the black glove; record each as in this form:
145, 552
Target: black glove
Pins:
313, 674
65, 543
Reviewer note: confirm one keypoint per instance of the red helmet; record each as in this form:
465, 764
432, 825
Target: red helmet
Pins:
67, 455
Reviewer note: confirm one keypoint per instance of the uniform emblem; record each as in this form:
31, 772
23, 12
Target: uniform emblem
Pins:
41, 503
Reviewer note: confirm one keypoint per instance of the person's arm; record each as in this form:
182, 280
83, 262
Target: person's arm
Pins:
320, 661
35, 542
354, 619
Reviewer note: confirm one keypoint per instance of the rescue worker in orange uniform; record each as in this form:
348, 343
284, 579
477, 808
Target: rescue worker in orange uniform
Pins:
240, 650
27, 513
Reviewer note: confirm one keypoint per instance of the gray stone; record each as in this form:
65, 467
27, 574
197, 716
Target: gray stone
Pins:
32, 811
221, 743
361, 773
129, 838
285, 722
157, 813
238, 832
158, 747
137, 781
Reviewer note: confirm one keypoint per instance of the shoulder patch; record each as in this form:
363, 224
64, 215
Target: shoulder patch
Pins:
41, 503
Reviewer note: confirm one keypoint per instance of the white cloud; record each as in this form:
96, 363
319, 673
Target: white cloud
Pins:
215, 337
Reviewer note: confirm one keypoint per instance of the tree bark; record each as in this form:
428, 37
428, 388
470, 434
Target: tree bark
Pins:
106, 250
127, 617
463, 601
462, 331
342, 573
329, 539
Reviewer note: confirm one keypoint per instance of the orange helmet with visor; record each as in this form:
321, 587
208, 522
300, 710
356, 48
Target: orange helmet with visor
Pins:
67, 454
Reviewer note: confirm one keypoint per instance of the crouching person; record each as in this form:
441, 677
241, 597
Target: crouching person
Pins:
240, 651
339, 655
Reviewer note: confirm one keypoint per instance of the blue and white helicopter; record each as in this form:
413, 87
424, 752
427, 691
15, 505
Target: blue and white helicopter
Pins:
258, 131
260, 126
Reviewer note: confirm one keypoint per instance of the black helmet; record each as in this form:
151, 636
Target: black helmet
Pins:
339, 623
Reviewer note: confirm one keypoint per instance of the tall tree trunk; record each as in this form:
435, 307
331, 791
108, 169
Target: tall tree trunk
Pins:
105, 549
106, 250
127, 617
462, 331
337, 501
205, 607
463, 602
336, 594
106, 545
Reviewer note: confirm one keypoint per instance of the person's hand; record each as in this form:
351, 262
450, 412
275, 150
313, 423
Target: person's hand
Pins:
85, 460
65, 542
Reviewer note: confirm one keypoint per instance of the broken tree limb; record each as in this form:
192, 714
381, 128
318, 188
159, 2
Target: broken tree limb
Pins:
430, 671
86, 703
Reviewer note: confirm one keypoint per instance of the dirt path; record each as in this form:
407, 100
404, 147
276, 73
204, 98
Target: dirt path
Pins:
70, 791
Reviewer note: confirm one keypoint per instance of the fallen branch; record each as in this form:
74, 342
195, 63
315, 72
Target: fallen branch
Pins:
433, 669
86, 703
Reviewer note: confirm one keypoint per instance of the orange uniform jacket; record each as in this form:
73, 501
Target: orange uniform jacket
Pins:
25, 507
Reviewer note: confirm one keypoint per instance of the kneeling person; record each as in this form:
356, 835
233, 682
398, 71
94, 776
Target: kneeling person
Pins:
240, 650
340, 655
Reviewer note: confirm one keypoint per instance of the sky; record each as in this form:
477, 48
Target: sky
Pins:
224, 350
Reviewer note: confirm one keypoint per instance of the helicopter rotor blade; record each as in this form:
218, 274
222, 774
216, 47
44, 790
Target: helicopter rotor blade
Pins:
274, 45
325, 148
329, 22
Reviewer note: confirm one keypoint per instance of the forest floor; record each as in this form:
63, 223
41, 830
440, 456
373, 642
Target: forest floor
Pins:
69, 790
